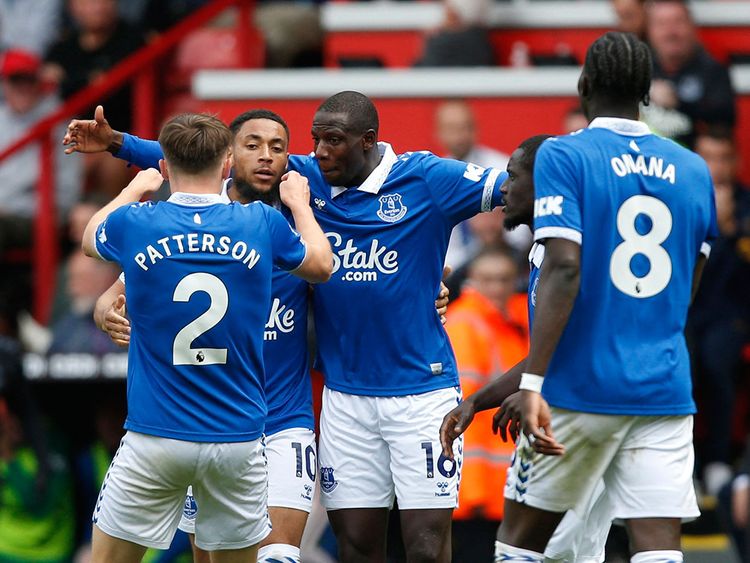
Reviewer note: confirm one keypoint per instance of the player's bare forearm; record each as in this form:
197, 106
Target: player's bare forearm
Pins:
559, 281
697, 274
492, 395
145, 181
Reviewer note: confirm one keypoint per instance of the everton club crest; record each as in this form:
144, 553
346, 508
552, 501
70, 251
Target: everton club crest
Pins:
392, 208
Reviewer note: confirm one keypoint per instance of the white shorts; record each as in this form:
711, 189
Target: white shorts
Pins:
292, 466
374, 447
645, 462
143, 493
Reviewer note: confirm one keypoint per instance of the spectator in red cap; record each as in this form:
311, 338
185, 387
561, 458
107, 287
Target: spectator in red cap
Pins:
25, 103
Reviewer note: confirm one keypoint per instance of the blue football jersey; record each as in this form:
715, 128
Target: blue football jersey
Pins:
642, 209
198, 290
377, 329
288, 385
378, 332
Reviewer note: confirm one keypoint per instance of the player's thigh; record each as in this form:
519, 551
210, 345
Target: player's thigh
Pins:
108, 549
354, 458
559, 483
230, 488
582, 535
652, 474
424, 478
427, 534
244, 555
360, 533
143, 491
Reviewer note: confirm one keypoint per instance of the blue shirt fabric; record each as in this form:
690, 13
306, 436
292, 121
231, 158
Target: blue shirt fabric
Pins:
642, 209
377, 330
198, 291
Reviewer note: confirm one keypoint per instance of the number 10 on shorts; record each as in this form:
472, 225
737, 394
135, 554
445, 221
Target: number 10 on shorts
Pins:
445, 466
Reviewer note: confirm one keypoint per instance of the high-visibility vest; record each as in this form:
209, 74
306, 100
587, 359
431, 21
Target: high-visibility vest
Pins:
487, 342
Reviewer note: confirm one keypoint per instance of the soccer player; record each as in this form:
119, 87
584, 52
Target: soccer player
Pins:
626, 218
196, 406
259, 159
579, 537
390, 372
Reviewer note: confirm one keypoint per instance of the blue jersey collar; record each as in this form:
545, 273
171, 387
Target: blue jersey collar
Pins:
622, 126
377, 177
198, 200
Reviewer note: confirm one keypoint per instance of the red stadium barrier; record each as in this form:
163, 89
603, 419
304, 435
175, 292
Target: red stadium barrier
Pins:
140, 67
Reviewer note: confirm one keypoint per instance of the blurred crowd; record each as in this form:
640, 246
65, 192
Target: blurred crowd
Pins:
50, 472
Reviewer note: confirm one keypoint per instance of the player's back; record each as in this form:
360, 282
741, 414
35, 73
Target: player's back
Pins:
198, 292
643, 207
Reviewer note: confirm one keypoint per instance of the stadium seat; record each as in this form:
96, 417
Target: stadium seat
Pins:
215, 48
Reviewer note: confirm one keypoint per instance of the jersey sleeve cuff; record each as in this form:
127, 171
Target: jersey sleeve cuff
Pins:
491, 196
558, 232
304, 257
706, 249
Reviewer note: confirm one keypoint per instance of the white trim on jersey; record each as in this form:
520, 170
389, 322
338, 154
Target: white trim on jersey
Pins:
536, 255
378, 176
628, 127
558, 232
198, 200
706, 249
489, 189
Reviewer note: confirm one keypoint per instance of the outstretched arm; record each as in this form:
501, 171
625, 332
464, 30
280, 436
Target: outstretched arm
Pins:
96, 135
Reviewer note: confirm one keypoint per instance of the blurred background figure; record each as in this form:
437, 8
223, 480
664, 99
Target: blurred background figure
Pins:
734, 502
488, 328
719, 320
301, 49
98, 40
574, 120
30, 25
456, 131
631, 17
690, 89
36, 496
462, 39
76, 331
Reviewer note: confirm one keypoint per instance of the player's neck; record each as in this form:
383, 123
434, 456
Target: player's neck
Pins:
605, 108
195, 185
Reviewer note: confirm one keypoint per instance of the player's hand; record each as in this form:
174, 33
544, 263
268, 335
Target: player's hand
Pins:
454, 424
741, 505
536, 423
90, 135
507, 419
441, 303
116, 325
145, 181
294, 190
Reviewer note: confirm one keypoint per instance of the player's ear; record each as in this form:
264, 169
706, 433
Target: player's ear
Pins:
226, 170
369, 139
163, 169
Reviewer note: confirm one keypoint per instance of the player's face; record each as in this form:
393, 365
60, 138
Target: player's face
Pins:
518, 193
340, 151
260, 156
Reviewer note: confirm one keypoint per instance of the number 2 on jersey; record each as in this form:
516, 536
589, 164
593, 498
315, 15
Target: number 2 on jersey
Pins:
182, 353
649, 245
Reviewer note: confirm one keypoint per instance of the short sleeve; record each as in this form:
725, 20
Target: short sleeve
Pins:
110, 235
289, 249
557, 207
460, 189
143, 153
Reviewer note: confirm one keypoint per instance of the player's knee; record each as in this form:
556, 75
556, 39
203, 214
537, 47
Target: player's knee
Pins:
428, 548
279, 552
662, 556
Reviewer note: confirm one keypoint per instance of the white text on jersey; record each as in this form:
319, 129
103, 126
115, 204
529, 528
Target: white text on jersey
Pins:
194, 242
280, 319
548, 205
365, 263
625, 164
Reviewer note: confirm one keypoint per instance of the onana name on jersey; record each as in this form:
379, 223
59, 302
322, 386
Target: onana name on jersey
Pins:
197, 242
625, 164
